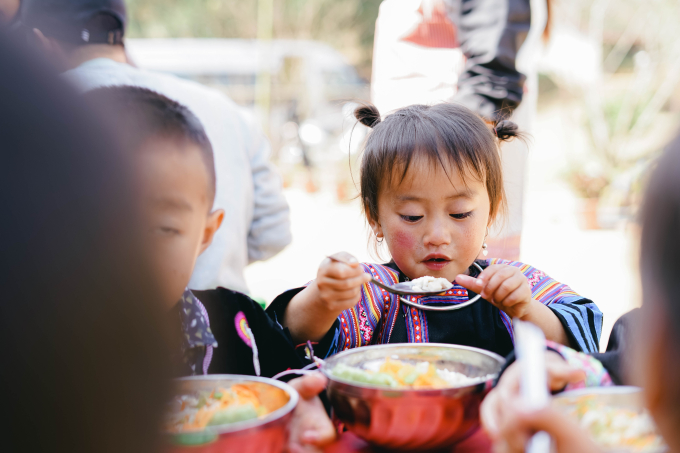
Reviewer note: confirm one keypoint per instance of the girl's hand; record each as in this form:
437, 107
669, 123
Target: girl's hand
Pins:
339, 282
310, 428
504, 286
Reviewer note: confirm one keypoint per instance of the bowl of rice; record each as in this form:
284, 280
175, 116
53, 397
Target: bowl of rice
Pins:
410, 396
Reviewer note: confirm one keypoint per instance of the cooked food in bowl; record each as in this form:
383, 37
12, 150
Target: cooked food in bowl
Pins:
434, 404
616, 419
222, 406
229, 413
394, 373
427, 283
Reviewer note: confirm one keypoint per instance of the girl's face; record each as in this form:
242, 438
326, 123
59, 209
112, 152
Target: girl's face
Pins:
433, 224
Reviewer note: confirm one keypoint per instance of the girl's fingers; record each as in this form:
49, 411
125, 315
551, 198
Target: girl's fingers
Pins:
346, 258
518, 295
509, 292
341, 271
495, 281
343, 284
471, 283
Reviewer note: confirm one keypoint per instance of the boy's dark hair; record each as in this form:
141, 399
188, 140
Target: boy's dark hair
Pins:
141, 114
441, 132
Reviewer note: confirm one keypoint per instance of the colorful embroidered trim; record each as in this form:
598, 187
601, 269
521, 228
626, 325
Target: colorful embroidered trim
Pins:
243, 330
596, 374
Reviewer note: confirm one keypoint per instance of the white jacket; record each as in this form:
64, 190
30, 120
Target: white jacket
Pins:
256, 224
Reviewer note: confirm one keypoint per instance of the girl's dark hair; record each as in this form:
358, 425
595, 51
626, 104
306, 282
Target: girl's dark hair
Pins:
444, 134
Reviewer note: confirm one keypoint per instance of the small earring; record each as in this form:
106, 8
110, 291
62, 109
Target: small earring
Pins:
379, 240
485, 250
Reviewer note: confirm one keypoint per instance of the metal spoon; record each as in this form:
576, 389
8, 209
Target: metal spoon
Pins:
404, 289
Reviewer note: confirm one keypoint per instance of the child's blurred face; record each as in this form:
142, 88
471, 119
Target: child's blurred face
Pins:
433, 224
176, 201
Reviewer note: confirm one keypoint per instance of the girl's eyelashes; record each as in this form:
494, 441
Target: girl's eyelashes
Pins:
411, 218
462, 215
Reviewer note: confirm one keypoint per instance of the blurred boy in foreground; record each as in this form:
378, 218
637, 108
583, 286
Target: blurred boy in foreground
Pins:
222, 331
654, 349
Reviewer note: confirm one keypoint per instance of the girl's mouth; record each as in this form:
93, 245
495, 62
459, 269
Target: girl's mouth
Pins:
436, 264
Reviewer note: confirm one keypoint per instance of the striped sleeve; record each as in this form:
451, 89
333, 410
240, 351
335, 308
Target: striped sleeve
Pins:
580, 317
358, 324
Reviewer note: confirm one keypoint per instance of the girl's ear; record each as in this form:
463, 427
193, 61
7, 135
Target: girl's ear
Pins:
377, 228
215, 219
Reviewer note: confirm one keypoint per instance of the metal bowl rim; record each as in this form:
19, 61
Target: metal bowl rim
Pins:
248, 424
340, 355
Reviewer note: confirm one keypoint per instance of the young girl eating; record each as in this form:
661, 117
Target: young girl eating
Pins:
431, 186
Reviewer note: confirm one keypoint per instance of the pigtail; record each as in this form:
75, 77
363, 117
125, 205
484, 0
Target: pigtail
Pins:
368, 115
506, 130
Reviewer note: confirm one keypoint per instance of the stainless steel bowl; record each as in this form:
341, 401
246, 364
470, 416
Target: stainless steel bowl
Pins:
413, 419
268, 434
622, 396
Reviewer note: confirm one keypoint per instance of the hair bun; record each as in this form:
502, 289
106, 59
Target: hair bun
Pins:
368, 115
506, 130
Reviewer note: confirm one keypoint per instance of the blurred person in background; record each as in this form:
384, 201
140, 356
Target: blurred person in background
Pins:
86, 37
648, 356
479, 53
83, 358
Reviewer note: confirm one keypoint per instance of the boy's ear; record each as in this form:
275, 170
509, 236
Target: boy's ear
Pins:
215, 219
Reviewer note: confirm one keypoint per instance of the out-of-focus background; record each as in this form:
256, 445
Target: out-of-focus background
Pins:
608, 100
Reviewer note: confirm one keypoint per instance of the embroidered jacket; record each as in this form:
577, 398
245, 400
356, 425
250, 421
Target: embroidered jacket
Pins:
380, 317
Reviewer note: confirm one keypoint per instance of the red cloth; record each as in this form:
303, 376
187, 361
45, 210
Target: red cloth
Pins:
435, 31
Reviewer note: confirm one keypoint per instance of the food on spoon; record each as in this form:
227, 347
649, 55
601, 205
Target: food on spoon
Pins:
221, 406
394, 373
616, 428
428, 283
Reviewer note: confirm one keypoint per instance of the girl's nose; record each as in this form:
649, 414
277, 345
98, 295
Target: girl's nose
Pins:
437, 234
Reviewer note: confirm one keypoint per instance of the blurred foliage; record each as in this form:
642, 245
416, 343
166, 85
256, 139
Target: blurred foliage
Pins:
347, 25
633, 106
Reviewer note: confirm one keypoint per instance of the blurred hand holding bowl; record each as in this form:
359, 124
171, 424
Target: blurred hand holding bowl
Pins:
389, 411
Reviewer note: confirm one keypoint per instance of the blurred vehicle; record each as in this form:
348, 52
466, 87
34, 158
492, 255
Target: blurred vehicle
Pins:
310, 84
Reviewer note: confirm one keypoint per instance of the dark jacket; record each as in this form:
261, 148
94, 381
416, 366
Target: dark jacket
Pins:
491, 33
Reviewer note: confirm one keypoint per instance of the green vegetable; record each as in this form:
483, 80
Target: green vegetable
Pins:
234, 414
364, 377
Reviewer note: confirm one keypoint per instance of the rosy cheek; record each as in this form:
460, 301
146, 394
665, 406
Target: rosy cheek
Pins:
402, 243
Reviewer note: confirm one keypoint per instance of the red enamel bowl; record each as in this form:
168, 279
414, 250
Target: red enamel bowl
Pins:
413, 419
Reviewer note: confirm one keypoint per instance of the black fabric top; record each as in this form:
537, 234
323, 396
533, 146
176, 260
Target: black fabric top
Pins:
233, 355
615, 357
461, 326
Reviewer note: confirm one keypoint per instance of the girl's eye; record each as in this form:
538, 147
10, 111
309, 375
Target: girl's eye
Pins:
411, 218
461, 216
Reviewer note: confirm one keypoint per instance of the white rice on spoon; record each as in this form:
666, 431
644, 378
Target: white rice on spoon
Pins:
427, 283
